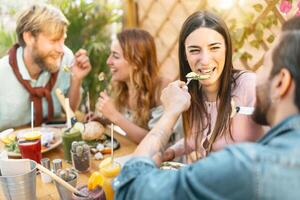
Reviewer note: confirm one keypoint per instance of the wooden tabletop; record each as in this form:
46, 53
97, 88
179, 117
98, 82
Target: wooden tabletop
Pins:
48, 191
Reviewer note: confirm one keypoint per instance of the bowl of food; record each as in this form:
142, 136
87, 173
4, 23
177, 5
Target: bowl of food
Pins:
171, 165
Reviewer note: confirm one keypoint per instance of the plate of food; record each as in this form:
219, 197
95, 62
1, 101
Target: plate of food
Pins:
170, 165
50, 139
94, 134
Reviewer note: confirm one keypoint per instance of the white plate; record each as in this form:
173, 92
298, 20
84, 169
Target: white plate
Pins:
43, 130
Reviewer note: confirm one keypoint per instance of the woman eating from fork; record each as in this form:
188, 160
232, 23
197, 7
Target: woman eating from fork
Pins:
212, 122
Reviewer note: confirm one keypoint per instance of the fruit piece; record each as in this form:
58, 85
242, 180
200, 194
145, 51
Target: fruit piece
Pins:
106, 150
12, 137
95, 180
32, 136
6, 140
73, 131
79, 126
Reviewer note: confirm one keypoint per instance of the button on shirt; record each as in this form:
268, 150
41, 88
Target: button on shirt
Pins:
15, 100
268, 169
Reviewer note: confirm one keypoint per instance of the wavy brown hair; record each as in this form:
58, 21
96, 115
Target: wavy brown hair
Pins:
140, 52
197, 115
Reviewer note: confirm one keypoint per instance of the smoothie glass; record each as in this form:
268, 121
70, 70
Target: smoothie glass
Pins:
68, 137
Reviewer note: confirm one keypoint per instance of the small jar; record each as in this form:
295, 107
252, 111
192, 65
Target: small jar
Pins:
81, 160
45, 177
57, 165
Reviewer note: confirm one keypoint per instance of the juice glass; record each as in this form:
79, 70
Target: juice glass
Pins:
31, 149
68, 137
109, 171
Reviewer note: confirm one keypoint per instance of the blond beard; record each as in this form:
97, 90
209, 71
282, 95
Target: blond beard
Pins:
44, 65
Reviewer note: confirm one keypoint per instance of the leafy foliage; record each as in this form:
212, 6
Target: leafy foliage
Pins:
7, 39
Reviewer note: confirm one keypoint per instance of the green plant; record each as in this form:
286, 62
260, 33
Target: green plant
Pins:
253, 28
67, 174
7, 39
90, 29
79, 147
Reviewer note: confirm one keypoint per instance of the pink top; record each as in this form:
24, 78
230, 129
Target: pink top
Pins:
243, 128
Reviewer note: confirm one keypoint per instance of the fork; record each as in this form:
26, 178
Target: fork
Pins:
188, 81
67, 68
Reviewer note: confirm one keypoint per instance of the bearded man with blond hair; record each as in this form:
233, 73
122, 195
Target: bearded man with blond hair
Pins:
34, 68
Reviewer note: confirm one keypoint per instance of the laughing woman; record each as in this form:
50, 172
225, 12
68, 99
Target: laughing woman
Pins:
211, 122
136, 86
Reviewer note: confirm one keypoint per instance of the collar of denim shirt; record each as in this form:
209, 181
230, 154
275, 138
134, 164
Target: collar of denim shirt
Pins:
289, 124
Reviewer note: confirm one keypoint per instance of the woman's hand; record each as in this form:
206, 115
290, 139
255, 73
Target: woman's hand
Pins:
107, 108
90, 117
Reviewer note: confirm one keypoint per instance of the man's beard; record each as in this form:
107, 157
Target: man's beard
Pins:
41, 61
263, 103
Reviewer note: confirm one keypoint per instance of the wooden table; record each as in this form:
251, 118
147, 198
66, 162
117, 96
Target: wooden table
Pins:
48, 191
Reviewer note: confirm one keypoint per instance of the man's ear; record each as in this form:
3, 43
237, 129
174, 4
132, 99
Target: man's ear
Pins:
281, 83
28, 38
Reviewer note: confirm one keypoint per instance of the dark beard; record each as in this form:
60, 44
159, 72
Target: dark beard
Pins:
262, 106
260, 117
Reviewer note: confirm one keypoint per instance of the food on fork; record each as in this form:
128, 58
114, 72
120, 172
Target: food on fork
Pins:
67, 68
195, 76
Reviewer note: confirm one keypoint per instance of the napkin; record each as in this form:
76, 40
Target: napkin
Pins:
13, 167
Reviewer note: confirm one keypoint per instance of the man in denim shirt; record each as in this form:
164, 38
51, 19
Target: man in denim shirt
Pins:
268, 169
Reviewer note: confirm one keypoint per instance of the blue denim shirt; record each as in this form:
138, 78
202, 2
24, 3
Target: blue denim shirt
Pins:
268, 169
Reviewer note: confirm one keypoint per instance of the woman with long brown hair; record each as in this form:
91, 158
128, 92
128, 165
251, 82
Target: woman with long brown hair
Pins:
136, 85
211, 122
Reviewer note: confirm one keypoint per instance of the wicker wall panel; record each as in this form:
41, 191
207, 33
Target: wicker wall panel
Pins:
164, 18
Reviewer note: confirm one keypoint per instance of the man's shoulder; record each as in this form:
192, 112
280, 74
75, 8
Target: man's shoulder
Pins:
4, 64
248, 151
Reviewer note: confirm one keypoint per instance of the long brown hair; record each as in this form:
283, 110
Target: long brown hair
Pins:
197, 113
140, 52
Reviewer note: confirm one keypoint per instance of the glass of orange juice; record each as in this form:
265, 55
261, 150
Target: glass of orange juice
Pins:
108, 170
